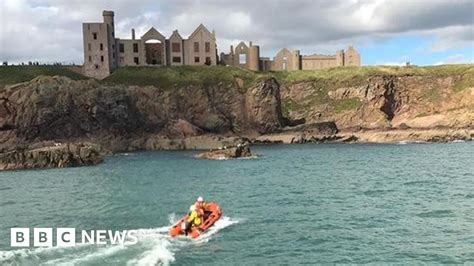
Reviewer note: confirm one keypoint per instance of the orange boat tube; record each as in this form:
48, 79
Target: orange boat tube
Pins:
212, 213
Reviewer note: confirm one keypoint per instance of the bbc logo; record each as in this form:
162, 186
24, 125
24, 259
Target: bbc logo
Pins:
42, 237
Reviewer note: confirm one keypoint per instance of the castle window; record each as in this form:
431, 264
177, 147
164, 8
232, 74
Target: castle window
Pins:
113, 46
101, 46
285, 63
175, 47
96, 66
89, 46
208, 61
207, 47
196, 47
196, 59
135, 59
90, 58
176, 59
113, 55
242, 59
94, 34
101, 58
135, 47
121, 48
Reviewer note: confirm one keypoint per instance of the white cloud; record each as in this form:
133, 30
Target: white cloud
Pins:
452, 37
50, 30
366, 14
456, 59
394, 63
239, 21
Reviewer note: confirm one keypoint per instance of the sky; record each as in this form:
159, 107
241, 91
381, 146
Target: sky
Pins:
422, 32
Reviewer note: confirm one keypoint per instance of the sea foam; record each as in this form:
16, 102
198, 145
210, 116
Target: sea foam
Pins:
154, 246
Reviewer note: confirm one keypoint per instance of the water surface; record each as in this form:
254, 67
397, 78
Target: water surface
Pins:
295, 204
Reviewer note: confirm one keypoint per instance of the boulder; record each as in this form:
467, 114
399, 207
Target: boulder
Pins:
54, 156
238, 151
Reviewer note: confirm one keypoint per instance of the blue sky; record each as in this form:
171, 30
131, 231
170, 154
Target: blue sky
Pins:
423, 32
413, 49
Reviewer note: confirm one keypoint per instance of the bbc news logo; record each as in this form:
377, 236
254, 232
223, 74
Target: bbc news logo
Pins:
66, 237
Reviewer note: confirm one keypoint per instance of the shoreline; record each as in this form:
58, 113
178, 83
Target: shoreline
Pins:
388, 136
78, 152
364, 105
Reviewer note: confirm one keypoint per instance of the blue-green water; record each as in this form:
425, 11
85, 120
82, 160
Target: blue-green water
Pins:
295, 204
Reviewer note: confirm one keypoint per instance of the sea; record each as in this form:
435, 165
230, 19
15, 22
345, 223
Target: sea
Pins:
406, 203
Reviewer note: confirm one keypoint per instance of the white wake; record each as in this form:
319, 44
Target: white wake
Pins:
154, 247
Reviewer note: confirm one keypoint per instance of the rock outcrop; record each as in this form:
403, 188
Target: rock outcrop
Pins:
127, 118
226, 153
55, 156
306, 133
263, 107
385, 102
410, 135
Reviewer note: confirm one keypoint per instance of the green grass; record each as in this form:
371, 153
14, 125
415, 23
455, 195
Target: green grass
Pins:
341, 106
465, 82
18, 74
432, 94
422, 114
171, 77
287, 106
343, 76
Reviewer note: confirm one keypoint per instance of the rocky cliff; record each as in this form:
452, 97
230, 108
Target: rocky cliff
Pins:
125, 118
203, 108
387, 102
434, 104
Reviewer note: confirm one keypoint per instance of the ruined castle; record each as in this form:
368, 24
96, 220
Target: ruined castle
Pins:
103, 52
249, 57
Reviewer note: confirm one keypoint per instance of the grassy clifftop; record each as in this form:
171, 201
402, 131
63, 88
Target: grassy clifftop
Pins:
185, 75
360, 74
18, 74
171, 77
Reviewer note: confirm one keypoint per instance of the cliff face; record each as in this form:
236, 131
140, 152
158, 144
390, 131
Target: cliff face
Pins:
214, 108
386, 102
119, 117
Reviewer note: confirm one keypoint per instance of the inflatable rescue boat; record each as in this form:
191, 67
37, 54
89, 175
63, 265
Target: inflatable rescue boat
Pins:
212, 213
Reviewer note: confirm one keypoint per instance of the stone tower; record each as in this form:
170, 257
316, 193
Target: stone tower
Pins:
296, 60
253, 57
340, 58
351, 57
99, 47
109, 21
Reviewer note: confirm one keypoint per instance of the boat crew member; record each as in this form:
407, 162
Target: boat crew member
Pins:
200, 204
196, 214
